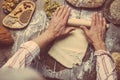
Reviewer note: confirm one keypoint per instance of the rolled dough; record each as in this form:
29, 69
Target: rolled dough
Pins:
70, 50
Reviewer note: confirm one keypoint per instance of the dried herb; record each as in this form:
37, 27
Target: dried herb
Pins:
9, 5
50, 7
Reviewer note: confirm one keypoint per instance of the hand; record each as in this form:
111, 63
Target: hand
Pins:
57, 27
96, 33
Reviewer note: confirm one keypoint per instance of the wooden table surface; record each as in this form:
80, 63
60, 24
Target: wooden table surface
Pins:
5, 53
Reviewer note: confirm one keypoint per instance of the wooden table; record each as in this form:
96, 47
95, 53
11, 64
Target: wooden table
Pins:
5, 53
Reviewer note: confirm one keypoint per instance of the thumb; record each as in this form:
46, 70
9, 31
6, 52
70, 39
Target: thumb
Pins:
69, 29
84, 29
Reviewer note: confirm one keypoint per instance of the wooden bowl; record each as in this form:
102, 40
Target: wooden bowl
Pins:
111, 11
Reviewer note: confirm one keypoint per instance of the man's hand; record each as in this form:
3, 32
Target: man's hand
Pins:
57, 27
96, 33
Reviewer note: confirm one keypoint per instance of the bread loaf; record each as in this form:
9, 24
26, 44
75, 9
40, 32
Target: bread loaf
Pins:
116, 57
112, 11
5, 37
86, 3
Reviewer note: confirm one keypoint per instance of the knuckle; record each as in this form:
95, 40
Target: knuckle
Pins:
90, 34
64, 22
59, 18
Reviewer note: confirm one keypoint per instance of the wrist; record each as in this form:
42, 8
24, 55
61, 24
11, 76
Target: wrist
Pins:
44, 39
50, 35
99, 46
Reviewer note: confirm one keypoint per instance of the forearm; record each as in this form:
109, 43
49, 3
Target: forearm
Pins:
105, 66
24, 55
44, 39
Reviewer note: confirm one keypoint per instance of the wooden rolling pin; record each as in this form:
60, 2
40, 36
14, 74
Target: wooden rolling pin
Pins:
79, 22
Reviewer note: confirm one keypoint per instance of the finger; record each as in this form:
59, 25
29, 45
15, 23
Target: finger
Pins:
69, 29
104, 25
60, 11
93, 21
101, 19
88, 39
100, 24
84, 29
104, 22
56, 11
97, 19
104, 28
64, 11
67, 15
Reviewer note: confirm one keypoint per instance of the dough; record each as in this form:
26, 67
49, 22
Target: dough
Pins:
70, 50
79, 22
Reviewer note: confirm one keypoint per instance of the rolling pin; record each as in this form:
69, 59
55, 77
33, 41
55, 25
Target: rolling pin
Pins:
79, 22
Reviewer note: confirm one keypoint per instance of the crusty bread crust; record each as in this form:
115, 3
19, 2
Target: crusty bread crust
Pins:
86, 3
112, 11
